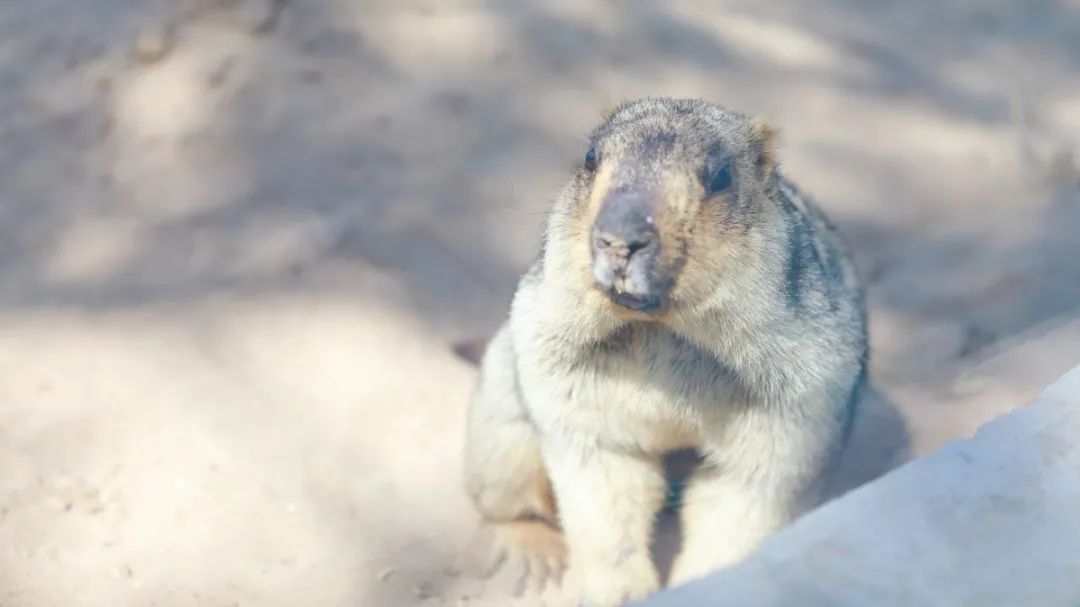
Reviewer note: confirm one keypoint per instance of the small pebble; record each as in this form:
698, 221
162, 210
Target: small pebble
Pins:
424, 591
311, 75
153, 44
262, 16
217, 76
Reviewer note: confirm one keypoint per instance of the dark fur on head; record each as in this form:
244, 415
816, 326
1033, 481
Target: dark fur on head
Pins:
647, 182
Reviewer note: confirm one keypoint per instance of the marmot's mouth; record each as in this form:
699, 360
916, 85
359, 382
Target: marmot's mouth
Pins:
638, 303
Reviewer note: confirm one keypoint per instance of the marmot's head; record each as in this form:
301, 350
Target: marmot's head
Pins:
667, 193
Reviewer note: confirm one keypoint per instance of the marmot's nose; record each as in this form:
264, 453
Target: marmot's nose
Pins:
623, 248
624, 228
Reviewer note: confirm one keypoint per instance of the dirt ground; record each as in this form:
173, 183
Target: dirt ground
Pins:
238, 238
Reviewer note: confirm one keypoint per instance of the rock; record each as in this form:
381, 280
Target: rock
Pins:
985, 521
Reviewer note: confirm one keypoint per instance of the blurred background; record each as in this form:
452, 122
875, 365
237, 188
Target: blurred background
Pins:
238, 239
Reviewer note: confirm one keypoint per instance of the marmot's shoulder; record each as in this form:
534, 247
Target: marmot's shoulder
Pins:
823, 234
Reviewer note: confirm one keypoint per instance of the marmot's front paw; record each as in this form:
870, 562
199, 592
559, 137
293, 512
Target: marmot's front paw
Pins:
533, 551
630, 578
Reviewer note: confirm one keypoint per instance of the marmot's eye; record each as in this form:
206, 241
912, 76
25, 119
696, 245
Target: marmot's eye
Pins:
590, 160
721, 179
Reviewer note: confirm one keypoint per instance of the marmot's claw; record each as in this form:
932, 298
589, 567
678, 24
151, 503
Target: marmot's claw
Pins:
494, 562
534, 552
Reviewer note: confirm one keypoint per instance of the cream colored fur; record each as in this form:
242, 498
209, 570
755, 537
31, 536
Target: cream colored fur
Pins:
756, 370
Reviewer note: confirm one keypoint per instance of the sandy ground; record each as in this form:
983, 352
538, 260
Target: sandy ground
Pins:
237, 239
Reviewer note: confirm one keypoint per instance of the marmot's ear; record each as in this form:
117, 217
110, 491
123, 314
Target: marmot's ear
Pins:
763, 140
608, 111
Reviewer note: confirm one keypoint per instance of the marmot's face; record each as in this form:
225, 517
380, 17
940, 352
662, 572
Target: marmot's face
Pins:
669, 190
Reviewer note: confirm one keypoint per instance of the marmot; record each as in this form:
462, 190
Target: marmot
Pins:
686, 294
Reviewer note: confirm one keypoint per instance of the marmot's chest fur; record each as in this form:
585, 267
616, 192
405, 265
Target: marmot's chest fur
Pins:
644, 387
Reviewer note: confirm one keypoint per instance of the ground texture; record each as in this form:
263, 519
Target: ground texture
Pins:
238, 238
